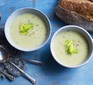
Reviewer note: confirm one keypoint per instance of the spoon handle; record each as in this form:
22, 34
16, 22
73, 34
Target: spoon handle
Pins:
33, 81
10, 77
33, 61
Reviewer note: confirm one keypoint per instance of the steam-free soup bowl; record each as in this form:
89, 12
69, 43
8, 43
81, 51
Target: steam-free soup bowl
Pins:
79, 30
21, 11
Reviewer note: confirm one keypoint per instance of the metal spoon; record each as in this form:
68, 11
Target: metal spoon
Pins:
4, 57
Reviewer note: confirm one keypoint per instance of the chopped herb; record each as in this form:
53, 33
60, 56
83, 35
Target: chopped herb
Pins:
45, 33
68, 30
16, 42
33, 33
33, 16
29, 35
29, 21
70, 49
63, 36
24, 28
37, 25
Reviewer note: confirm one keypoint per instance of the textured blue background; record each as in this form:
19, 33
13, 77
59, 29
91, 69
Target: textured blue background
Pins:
51, 73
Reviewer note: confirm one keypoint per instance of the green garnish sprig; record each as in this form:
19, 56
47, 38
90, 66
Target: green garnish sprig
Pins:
70, 48
24, 28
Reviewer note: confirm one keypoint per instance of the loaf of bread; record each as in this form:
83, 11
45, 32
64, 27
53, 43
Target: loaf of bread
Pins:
76, 12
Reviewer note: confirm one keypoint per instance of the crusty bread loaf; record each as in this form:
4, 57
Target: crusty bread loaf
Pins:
83, 7
77, 12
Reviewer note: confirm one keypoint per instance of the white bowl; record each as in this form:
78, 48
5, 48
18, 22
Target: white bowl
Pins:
22, 11
77, 29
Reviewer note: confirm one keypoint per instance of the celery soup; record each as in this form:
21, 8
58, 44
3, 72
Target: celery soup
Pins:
70, 48
28, 31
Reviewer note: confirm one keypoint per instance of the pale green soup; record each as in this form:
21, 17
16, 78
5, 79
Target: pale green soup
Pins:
34, 38
79, 42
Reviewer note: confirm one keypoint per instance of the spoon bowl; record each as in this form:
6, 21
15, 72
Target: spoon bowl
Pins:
4, 55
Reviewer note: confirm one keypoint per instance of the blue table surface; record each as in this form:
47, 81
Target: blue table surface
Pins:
51, 73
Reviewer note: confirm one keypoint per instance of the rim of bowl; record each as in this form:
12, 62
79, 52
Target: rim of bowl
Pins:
34, 49
51, 45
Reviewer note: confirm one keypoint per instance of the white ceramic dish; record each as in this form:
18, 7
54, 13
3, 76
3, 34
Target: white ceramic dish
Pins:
23, 11
81, 31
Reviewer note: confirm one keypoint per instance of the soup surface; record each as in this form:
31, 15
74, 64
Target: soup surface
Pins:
34, 37
80, 43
